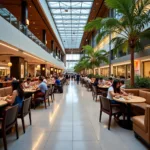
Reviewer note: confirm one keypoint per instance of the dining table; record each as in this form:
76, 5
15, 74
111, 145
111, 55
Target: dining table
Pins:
3, 102
128, 100
28, 90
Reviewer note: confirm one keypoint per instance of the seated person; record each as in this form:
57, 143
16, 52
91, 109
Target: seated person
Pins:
96, 82
57, 81
89, 80
122, 84
17, 95
27, 84
41, 90
115, 90
109, 82
21, 82
101, 81
45, 80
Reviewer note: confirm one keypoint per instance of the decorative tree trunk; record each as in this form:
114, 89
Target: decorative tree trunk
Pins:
132, 67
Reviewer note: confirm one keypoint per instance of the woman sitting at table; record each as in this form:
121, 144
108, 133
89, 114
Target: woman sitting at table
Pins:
96, 82
115, 90
17, 95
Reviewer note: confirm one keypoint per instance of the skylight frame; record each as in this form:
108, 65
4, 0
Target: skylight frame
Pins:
70, 17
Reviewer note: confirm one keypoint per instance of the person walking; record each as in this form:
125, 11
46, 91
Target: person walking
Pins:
67, 79
78, 78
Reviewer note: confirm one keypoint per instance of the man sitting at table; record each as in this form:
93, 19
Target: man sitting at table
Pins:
27, 84
101, 81
41, 90
110, 81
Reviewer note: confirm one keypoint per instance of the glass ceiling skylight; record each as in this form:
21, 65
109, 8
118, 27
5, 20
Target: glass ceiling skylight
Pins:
70, 17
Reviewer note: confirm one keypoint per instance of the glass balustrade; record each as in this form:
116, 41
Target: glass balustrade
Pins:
24, 29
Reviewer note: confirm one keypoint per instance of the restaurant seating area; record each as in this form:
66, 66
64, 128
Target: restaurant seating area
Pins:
139, 111
71, 122
10, 114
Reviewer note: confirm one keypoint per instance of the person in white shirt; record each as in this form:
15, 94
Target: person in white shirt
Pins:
85, 78
122, 84
115, 90
44, 80
101, 81
89, 80
27, 84
110, 81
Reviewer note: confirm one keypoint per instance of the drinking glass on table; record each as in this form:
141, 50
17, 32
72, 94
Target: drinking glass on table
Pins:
130, 95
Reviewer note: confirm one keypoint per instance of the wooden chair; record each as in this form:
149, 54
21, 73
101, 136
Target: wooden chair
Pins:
9, 120
25, 110
94, 92
108, 108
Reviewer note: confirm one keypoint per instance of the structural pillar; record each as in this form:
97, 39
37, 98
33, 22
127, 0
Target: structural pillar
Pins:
17, 69
44, 36
24, 14
43, 70
56, 51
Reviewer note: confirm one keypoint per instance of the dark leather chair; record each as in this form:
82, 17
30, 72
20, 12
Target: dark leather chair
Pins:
8, 120
51, 93
25, 110
43, 99
108, 108
95, 93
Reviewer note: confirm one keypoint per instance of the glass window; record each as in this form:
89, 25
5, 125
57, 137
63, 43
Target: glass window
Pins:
70, 16
73, 57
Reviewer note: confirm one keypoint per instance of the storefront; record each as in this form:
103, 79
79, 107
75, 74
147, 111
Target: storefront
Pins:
146, 69
122, 70
4, 71
104, 72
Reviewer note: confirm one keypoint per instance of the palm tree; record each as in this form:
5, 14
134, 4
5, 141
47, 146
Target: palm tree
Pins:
81, 65
130, 29
94, 58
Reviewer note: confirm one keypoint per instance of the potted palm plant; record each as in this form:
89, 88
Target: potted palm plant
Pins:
130, 29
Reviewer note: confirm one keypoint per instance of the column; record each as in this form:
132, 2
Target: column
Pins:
43, 70
44, 36
110, 52
64, 59
56, 51
26, 69
24, 14
17, 69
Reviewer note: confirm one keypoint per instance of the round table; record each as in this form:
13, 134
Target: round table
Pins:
103, 87
128, 100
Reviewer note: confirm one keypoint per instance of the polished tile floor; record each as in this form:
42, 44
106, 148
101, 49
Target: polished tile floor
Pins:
71, 123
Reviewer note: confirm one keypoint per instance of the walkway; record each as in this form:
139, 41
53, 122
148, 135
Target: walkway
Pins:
71, 123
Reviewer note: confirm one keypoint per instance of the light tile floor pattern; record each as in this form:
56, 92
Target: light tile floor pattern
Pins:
71, 123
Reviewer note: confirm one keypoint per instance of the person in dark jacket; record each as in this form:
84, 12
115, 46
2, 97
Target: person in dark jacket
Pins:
78, 78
